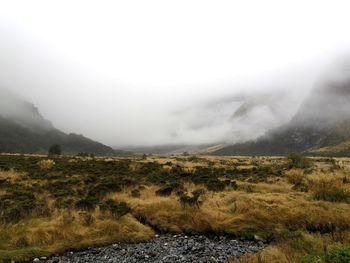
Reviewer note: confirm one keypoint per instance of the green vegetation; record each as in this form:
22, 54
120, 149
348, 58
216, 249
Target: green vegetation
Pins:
297, 160
51, 205
55, 149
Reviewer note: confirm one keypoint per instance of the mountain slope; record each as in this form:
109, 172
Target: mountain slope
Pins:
322, 121
24, 130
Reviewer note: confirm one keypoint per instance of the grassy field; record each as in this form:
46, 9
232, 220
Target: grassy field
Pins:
301, 206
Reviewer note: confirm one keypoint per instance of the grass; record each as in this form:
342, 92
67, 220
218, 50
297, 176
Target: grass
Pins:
75, 202
68, 231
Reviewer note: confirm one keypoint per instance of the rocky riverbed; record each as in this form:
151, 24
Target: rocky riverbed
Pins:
165, 248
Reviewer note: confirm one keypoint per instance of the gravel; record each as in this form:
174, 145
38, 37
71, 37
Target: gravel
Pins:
165, 249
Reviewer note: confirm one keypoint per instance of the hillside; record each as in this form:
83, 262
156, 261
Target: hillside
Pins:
320, 127
24, 130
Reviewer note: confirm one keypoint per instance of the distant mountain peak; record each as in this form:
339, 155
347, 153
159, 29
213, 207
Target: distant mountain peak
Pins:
24, 129
322, 120
22, 112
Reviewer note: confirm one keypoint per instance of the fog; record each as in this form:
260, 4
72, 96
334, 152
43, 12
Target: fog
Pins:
167, 72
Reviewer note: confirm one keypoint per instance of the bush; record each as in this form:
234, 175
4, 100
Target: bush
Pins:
297, 160
335, 255
46, 164
117, 209
88, 203
215, 185
165, 191
193, 159
135, 193
328, 187
295, 176
338, 255
332, 194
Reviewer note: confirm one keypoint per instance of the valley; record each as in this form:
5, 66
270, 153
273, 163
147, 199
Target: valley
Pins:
296, 206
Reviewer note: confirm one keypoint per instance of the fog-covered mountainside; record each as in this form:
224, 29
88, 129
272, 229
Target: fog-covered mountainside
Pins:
24, 130
320, 127
169, 149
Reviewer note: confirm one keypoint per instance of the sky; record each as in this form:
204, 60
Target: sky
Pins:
162, 72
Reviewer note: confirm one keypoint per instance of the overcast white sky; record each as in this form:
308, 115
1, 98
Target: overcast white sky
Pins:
141, 72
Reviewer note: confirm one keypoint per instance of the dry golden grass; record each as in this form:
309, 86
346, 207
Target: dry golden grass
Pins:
261, 212
269, 209
293, 250
71, 230
46, 164
11, 174
295, 176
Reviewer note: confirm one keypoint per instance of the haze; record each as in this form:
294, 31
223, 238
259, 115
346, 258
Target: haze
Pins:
164, 72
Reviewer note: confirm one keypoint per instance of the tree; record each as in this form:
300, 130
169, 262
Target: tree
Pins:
55, 149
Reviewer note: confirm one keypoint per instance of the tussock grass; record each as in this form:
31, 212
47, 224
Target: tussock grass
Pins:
80, 202
303, 248
329, 186
295, 176
68, 230
239, 213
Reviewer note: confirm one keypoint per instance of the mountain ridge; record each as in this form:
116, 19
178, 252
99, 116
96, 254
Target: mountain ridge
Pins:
323, 120
24, 130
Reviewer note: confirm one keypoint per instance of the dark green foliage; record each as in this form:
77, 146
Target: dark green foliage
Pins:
165, 191
83, 183
60, 188
334, 255
89, 203
297, 160
55, 149
14, 138
333, 194
338, 255
135, 193
18, 204
215, 185
194, 159
116, 209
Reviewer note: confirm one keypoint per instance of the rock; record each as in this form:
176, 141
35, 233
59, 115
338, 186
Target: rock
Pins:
36, 260
166, 248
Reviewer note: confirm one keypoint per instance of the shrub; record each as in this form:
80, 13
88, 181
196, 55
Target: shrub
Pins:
116, 209
165, 191
88, 203
338, 255
335, 255
17, 205
46, 164
215, 185
328, 187
295, 176
332, 194
193, 159
297, 160
135, 193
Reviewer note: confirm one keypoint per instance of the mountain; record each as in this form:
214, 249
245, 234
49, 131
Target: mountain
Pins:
169, 149
320, 127
24, 130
